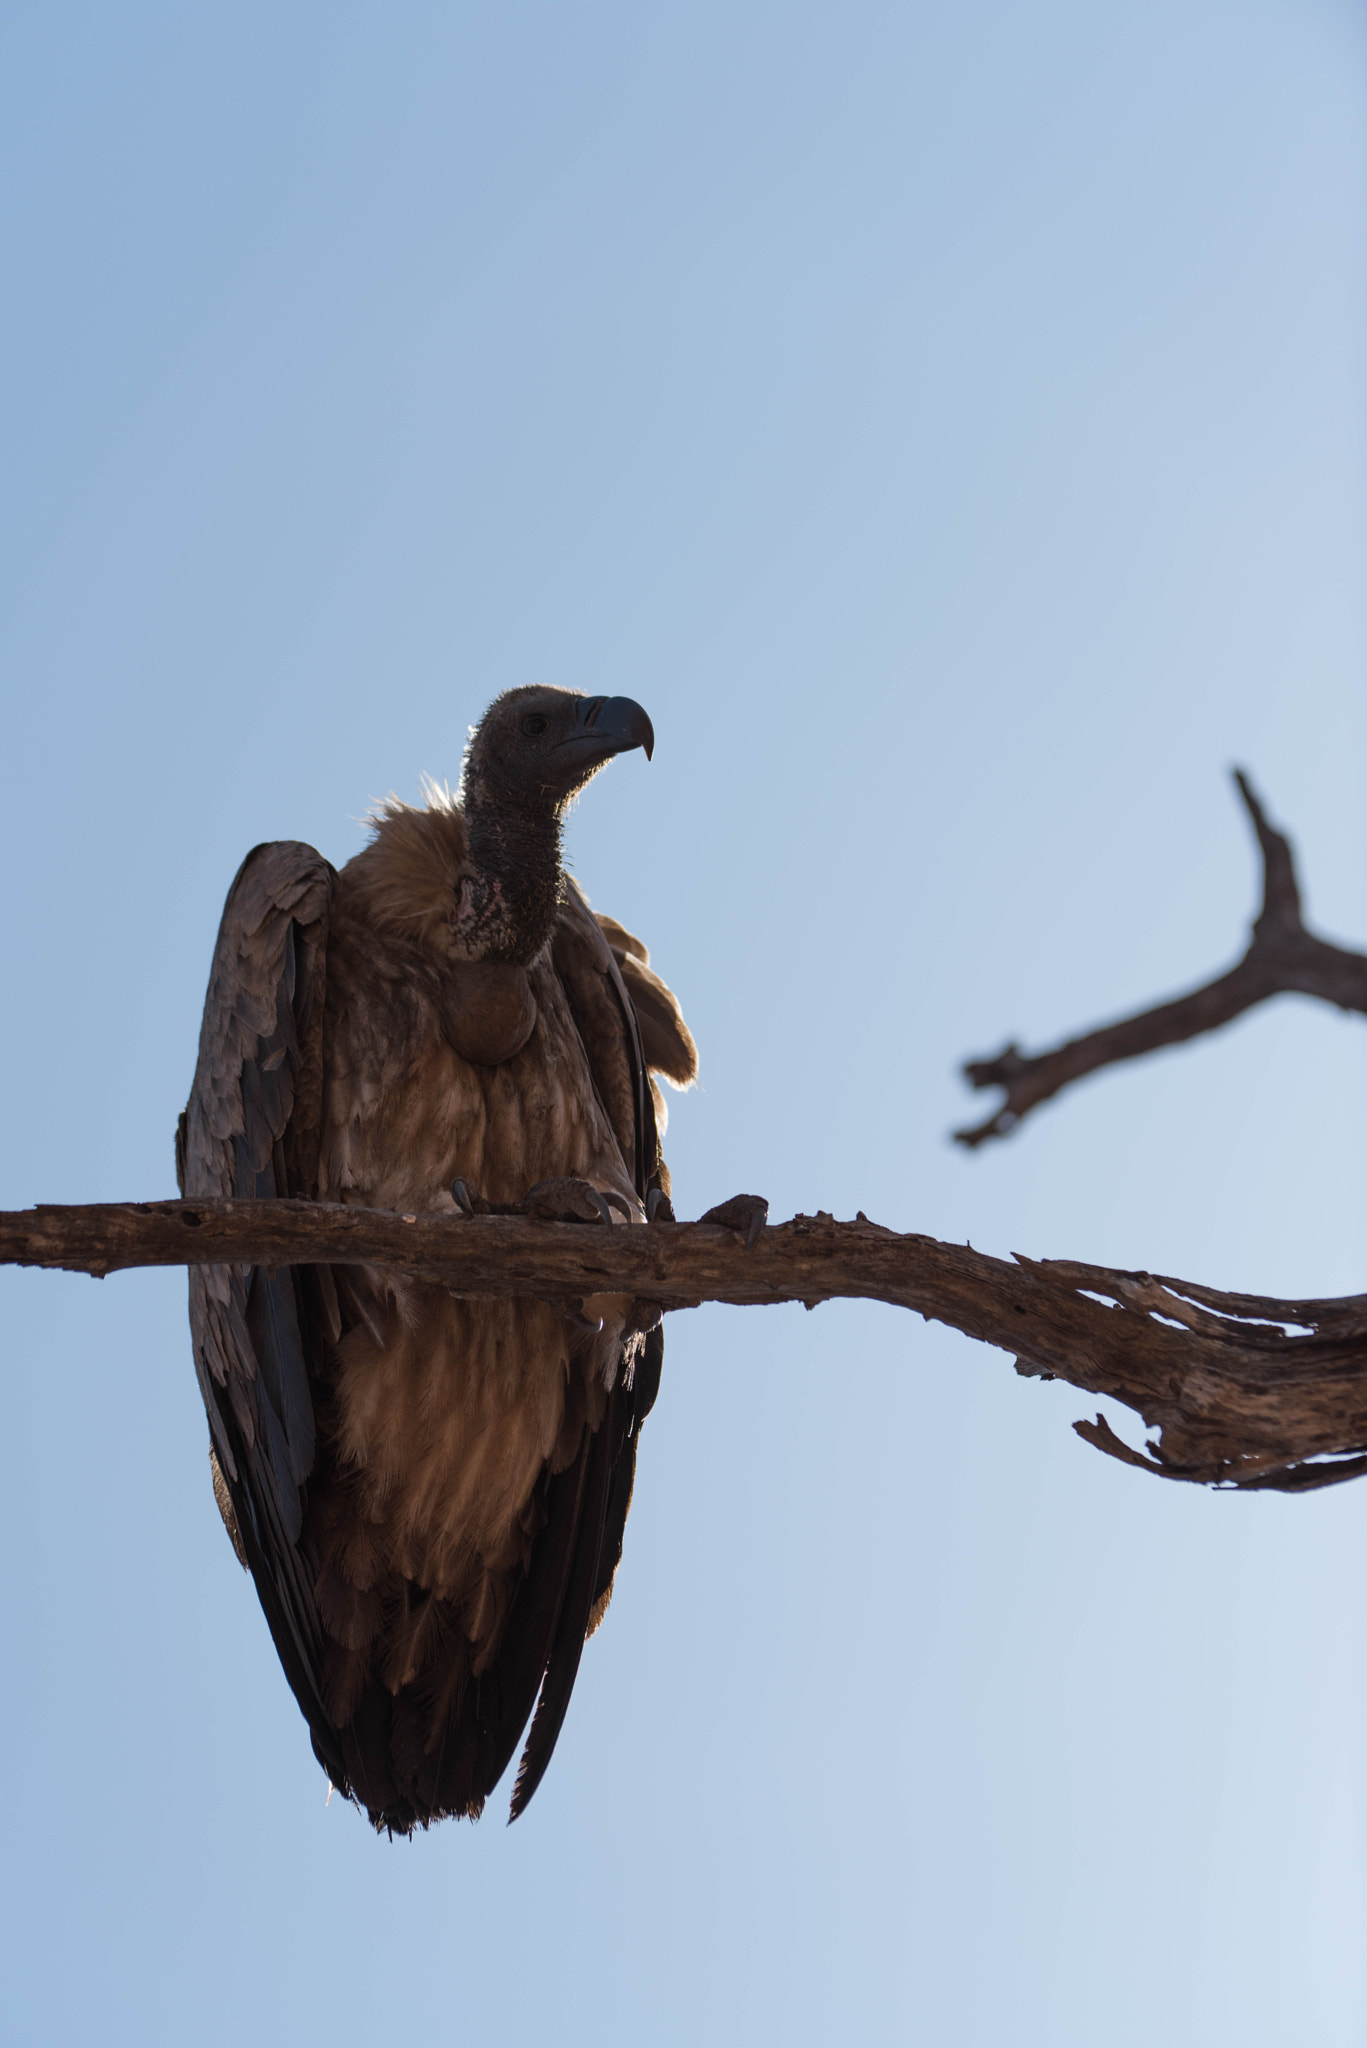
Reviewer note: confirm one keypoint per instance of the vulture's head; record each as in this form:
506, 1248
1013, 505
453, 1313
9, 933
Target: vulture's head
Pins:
539, 746
529, 756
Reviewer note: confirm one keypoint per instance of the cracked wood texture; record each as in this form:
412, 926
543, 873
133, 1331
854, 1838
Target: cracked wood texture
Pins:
1282, 958
1240, 1390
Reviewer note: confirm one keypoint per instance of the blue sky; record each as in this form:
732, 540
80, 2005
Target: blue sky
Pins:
950, 424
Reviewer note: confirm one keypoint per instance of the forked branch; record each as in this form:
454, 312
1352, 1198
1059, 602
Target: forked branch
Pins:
1282, 957
1240, 1390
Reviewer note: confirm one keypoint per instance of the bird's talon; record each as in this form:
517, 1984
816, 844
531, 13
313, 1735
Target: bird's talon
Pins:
569, 1200
659, 1208
749, 1213
462, 1196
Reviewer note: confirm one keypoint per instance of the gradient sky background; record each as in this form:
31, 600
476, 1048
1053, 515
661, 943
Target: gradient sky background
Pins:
950, 423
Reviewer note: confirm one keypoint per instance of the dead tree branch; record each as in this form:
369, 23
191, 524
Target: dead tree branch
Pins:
1282, 957
1241, 1390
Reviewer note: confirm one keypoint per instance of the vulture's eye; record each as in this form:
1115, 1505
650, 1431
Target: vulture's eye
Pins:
533, 725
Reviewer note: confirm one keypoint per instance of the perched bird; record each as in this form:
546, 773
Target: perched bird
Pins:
429, 1492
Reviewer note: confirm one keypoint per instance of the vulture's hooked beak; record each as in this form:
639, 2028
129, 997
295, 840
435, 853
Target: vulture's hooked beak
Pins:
604, 726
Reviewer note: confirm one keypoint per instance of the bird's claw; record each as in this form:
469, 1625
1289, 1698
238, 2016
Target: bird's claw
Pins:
466, 1199
659, 1208
749, 1213
568, 1200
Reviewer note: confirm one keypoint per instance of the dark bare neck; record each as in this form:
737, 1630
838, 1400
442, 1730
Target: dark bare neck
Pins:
509, 904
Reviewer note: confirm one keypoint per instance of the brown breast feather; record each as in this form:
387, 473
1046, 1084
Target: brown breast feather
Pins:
440, 1416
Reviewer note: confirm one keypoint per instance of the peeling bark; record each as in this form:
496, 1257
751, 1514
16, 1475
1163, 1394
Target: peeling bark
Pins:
1241, 1390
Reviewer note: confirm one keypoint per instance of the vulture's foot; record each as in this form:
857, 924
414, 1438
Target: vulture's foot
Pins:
567, 1200
749, 1213
659, 1208
468, 1200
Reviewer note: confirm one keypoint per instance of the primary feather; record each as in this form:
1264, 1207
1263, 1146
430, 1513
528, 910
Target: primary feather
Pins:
430, 1493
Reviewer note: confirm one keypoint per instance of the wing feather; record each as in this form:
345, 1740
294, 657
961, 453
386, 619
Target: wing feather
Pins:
667, 1040
245, 1128
603, 969
599, 1458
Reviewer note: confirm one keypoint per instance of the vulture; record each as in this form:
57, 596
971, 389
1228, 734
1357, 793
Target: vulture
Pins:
430, 1493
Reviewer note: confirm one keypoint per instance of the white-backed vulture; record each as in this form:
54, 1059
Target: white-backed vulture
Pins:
430, 1493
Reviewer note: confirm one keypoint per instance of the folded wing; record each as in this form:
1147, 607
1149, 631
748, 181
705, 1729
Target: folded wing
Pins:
251, 1130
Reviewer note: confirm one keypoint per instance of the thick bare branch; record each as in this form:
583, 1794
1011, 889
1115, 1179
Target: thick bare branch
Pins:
1282, 957
1241, 1390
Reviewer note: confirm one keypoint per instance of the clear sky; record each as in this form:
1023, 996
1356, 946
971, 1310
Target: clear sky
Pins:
951, 423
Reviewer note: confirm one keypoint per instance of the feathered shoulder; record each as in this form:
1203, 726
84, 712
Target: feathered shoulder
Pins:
407, 879
666, 1039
